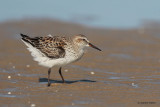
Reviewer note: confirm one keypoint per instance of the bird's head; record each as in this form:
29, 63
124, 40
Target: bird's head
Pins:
82, 42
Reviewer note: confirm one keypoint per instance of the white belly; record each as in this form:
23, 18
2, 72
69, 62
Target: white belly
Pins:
50, 62
69, 58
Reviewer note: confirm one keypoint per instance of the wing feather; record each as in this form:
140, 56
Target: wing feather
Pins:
52, 47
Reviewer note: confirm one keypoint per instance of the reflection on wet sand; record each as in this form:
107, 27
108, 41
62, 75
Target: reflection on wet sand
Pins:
125, 73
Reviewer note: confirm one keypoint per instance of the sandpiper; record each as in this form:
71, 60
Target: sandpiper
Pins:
50, 51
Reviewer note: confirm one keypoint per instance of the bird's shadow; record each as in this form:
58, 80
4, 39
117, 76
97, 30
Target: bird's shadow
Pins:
42, 80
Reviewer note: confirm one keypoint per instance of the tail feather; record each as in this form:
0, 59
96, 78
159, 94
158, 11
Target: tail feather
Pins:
27, 39
24, 36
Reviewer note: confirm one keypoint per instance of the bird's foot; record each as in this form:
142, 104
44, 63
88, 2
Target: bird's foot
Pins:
49, 84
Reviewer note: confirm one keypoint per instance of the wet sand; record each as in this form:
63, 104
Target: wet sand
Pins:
125, 74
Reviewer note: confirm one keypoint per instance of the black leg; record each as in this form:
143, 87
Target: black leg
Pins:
49, 71
61, 74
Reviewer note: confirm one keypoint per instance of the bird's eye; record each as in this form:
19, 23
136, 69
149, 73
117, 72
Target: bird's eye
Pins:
83, 39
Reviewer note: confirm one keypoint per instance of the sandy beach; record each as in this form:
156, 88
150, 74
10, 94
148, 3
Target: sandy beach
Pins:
125, 74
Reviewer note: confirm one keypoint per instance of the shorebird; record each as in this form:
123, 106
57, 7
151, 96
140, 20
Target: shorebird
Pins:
50, 51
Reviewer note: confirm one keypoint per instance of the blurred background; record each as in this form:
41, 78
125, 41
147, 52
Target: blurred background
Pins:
123, 14
137, 15
125, 74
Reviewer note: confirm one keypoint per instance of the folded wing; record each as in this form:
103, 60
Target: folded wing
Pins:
52, 47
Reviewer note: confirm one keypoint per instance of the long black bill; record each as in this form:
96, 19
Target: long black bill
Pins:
91, 45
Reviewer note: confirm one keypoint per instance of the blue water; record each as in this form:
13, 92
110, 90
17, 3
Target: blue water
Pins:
97, 13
